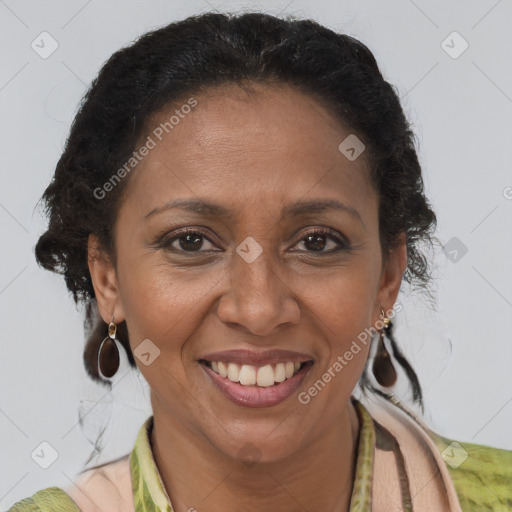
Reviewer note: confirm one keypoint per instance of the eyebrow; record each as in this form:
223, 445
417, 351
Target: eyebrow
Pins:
293, 210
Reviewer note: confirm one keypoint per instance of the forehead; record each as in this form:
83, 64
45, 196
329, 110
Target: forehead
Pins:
268, 143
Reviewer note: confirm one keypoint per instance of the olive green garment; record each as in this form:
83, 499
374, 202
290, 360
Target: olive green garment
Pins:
482, 476
51, 499
483, 480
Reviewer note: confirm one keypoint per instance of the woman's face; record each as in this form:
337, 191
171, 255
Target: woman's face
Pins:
248, 277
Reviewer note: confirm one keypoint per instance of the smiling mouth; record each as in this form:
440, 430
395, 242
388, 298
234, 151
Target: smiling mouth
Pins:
269, 375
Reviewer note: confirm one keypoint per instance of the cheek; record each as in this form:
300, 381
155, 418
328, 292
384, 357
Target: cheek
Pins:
343, 310
345, 325
165, 307
349, 338
344, 300
161, 303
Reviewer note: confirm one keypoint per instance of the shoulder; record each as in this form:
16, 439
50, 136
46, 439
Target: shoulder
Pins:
478, 476
51, 499
482, 475
104, 487
98, 489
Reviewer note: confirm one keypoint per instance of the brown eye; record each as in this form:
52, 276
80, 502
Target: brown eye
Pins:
320, 239
190, 242
187, 241
315, 242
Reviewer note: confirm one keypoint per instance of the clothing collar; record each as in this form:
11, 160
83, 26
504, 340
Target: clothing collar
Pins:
147, 486
149, 492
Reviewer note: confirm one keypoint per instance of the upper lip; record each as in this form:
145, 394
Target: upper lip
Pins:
257, 358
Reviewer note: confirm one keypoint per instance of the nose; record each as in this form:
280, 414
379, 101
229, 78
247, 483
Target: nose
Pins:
259, 301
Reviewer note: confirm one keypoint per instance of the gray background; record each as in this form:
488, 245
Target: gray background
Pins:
460, 106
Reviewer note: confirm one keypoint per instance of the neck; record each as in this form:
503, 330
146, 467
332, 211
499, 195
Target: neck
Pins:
198, 476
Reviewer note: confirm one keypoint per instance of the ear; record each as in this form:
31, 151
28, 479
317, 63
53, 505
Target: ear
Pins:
391, 276
104, 281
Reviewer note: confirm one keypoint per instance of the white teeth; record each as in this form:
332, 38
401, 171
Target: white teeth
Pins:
223, 371
280, 373
248, 375
265, 376
233, 372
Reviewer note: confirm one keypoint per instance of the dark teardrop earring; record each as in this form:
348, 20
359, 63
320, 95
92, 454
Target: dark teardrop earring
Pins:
108, 354
383, 368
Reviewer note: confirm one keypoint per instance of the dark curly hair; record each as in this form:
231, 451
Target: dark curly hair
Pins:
184, 58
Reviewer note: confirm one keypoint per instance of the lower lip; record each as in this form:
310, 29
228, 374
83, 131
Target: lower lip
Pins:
254, 396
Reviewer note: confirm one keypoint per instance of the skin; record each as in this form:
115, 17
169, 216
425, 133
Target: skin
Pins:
270, 147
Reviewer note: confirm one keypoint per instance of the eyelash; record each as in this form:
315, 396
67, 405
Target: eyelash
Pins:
165, 242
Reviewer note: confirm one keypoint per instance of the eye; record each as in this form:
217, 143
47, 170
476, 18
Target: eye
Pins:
187, 240
317, 240
195, 240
